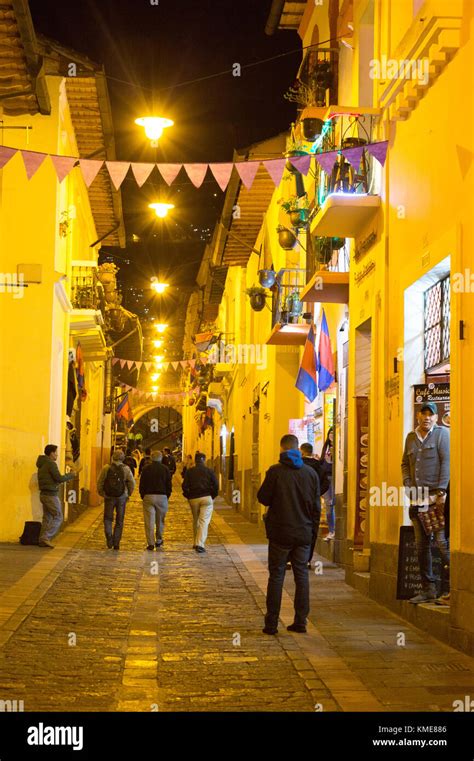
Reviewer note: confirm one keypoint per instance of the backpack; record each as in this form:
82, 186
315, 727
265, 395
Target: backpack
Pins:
31, 532
114, 484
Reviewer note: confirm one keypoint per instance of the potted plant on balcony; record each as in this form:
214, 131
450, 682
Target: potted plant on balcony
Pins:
258, 297
293, 305
297, 209
286, 238
294, 148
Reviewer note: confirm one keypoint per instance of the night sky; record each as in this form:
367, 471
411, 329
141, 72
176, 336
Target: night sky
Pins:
147, 51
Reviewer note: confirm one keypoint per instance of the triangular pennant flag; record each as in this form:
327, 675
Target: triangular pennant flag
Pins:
138, 365
301, 163
122, 363
148, 366
117, 171
141, 172
275, 168
169, 172
90, 168
174, 365
204, 360
326, 160
32, 161
247, 171
354, 155
130, 363
183, 363
115, 360
379, 151
6, 154
222, 174
63, 165
196, 173
192, 362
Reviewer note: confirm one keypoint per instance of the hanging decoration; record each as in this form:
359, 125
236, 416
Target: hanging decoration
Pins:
196, 172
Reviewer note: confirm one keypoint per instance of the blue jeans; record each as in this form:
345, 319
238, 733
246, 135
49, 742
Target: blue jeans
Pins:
117, 504
278, 557
52, 517
424, 544
330, 509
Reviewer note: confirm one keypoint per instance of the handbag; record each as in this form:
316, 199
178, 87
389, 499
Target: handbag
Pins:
432, 519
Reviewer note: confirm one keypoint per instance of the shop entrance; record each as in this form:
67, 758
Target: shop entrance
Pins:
363, 376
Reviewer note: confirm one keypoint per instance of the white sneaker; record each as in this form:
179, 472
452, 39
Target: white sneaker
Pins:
330, 536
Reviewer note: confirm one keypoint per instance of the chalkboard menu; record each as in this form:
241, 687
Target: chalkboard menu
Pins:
408, 579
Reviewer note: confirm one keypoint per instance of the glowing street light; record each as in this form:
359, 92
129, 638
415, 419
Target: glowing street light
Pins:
155, 377
158, 343
154, 126
157, 286
158, 358
154, 388
160, 327
161, 209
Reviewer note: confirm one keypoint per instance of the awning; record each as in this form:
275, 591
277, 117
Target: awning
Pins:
289, 335
86, 326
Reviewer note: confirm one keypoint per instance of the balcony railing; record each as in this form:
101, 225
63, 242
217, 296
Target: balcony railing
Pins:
87, 291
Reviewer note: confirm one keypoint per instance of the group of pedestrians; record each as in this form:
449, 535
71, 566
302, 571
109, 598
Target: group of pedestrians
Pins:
116, 484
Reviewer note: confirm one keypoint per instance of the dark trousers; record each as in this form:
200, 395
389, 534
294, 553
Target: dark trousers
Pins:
315, 536
278, 556
424, 545
116, 504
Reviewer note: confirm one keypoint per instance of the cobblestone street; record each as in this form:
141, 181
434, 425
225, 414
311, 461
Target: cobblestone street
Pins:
83, 628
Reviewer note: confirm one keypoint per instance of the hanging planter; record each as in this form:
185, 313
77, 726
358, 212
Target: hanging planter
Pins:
258, 297
293, 153
299, 217
267, 278
312, 128
286, 238
297, 209
294, 305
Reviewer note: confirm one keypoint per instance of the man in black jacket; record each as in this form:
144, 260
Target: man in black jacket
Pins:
290, 491
200, 488
146, 460
169, 460
308, 459
155, 491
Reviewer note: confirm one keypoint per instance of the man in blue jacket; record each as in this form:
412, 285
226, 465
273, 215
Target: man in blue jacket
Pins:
290, 490
49, 479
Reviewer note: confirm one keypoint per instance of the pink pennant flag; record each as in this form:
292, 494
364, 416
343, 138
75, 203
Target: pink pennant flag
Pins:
138, 365
141, 172
117, 171
6, 154
130, 363
222, 173
169, 172
204, 360
174, 365
275, 168
247, 171
148, 366
192, 362
63, 165
32, 161
354, 155
90, 168
196, 173
326, 160
183, 363
301, 163
115, 360
379, 151
122, 363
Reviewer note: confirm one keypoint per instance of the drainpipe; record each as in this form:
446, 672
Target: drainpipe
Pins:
108, 386
274, 17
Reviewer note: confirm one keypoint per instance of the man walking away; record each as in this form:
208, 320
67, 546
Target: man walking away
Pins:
200, 488
323, 484
290, 491
425, 471
49, 479
155, 491
130, 461
146, 460
115, 485
169, 460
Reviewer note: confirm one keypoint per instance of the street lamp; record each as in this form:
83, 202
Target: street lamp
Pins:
157, 286
154, 126
161, 209
155, 377
158, 343
160, 327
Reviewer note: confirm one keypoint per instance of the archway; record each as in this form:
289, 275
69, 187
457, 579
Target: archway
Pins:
160, 426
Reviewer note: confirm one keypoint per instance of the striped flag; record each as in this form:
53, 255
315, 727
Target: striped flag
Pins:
306, 380
326, 372
123, 409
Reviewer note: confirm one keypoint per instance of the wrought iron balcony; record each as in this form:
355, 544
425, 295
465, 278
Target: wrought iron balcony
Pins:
87, 316
87, 291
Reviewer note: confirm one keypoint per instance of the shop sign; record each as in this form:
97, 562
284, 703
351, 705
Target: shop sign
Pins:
434, 392
364, 272
362, 473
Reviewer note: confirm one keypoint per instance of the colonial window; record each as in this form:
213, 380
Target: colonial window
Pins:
437, 315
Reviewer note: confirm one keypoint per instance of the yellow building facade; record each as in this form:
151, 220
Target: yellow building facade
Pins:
401, 73
49, 245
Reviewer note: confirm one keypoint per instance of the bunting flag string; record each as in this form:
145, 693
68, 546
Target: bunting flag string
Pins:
171, 396
149, 366
222, 172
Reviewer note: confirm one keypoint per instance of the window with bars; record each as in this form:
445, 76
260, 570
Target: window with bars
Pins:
437, 316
